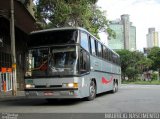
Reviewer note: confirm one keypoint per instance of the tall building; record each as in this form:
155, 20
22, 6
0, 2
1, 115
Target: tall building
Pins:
125, 34
132, 44
118, 42
152, 38
126, 30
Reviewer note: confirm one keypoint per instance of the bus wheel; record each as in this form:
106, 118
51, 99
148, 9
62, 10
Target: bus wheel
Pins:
92, 91
115, 87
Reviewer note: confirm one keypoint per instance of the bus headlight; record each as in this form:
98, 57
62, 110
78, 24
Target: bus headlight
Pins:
30, 86
70, 85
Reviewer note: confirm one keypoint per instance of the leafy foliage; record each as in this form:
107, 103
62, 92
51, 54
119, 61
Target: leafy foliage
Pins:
125, 59
133, 63
129, 63
144, 64
154, 54
81, 13
132, 73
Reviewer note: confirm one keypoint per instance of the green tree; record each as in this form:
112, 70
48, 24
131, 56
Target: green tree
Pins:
82, 13
154, 54
144, 64
128, 63
125, 59
132, 73
136, 56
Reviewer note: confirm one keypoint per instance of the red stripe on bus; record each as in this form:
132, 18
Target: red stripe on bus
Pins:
105, 81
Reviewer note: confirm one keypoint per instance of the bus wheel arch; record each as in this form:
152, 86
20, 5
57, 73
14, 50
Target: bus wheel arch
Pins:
117, 81
115, 86
92, 90
93, 79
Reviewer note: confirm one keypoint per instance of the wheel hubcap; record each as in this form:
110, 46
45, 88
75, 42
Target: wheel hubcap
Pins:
92, 89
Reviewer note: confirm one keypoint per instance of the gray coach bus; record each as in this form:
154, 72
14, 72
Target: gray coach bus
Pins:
69, 63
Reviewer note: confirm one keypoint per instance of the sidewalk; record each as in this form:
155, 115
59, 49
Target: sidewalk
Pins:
7, 96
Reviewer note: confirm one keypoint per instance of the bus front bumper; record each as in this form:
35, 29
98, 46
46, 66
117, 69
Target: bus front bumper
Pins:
66, 93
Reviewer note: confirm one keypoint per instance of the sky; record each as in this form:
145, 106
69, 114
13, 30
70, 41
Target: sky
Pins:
143, 14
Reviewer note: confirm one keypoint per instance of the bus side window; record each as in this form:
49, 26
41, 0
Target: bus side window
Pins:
108, 55
99, 50
93, 50
104, 53
84, 61
84, 41
96, 47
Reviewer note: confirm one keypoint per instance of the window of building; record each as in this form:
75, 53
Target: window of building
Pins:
5, 59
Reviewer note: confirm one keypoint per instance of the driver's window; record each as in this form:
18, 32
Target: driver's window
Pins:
71, 58
84, 41
84, 62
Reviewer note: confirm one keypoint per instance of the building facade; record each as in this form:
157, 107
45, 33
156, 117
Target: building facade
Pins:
152, 38
132, 44
125, 34
118, 42
24, 24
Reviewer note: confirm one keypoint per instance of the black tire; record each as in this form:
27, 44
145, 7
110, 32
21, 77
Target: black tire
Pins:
115, 87
92, 91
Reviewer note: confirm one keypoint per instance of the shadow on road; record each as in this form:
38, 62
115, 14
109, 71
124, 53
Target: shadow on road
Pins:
62, 102
41, 102
49, 102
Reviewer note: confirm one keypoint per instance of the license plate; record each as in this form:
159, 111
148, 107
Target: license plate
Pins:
48, 93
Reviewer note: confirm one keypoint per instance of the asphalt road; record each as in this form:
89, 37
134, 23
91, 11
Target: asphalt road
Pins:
129, 98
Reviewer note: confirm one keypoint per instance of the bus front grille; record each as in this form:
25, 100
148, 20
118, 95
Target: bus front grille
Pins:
45, 86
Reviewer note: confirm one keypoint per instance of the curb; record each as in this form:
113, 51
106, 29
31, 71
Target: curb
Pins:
9, 97
3, 99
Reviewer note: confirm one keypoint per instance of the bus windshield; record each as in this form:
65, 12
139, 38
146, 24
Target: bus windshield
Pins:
52, 61
53, 37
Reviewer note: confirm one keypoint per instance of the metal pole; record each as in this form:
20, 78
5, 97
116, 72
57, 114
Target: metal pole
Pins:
13, 52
